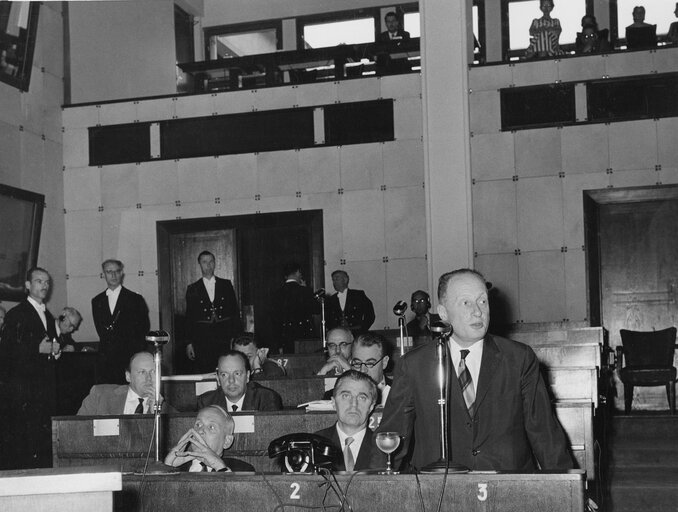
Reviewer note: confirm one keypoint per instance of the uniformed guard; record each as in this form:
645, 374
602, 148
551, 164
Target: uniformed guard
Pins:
212, 316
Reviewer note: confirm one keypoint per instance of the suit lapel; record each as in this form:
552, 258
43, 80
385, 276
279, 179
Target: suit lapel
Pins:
119, 302
119, 398
365, 453
488, 365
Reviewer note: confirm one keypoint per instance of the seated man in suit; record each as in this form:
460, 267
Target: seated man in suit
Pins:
355, 396
339, 343
236, 391
419, 326
67, 323
202, 446
369, 356
135, 398
261, 366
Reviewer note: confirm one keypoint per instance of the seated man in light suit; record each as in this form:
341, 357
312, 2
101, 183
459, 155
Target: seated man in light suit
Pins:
355, 396
135, 398
202, 447
236, 391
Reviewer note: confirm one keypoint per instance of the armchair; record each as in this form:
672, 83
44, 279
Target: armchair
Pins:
649, 362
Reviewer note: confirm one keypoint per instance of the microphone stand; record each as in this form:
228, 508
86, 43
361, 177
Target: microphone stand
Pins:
401, 326
320, 297
158, 338
443, 330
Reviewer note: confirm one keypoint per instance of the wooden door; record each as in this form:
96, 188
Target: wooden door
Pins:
184, 249
638, 269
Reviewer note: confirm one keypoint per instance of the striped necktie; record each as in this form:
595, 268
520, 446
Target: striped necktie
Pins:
466, 383
348, 454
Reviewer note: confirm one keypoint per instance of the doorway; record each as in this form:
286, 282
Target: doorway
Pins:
632, 264
251, 251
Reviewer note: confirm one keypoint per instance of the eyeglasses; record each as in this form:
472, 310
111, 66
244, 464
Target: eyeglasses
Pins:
415, 301
341, 346
357, 364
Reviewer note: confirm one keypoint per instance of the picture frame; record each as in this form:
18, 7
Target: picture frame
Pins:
21, 213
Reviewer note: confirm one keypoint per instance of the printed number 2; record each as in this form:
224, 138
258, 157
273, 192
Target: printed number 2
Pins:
482, 492
295, 491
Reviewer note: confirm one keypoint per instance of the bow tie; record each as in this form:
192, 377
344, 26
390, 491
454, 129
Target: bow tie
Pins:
40, 307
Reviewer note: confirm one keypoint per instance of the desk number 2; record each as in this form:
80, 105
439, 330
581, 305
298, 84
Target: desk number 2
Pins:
295, 491
482, 492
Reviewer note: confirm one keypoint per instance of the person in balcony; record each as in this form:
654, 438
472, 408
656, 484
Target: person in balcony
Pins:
672, 36
544, 34
590, 39
640, 35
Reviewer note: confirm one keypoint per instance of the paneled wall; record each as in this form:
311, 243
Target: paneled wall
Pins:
527, 192
30, 143
371, 195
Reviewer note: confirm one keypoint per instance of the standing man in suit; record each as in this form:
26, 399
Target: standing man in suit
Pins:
236, 392
212, 316
293, 309
121, 320
354, 397
137, 397
499, 412
348, 308
27, 351
390, 39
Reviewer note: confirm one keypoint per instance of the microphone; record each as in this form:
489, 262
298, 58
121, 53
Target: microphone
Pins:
319, 294
400, 308
441, 329
157, 337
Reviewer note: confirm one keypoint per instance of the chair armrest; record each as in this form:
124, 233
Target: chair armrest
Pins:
620, 358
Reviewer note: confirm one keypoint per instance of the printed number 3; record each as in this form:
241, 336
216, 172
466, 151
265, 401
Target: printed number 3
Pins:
295, 491
482, 492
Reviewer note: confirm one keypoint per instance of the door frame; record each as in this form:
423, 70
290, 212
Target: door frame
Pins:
593, 200
166, 228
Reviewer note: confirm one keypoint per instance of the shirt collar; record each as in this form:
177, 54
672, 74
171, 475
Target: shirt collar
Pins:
37, 305
115, 291
238, 403
357, 437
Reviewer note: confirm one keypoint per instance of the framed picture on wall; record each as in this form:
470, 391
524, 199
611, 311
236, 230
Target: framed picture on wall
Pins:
21, 214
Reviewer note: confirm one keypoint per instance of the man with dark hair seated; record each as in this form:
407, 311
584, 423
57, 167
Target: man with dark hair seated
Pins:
236, 391
354, 397
202, 446
261, 366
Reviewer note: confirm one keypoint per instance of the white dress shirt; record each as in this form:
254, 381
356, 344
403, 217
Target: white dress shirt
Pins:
355, 445
132, 402
113, 297
473, 359
238, 404
342, 298
40, 308
209, 286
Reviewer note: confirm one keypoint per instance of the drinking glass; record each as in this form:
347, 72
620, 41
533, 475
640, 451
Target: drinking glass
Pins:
388, 442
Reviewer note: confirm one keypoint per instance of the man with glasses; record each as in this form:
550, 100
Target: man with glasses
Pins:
121, 320
369, 356
339, 343
66, 324
420, 325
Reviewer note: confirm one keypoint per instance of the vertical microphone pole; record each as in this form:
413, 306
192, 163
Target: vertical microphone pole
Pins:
442, 331
320, 296
399, 309
158, 338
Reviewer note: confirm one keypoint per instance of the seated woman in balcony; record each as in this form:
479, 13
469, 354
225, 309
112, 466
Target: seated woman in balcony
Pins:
544, 34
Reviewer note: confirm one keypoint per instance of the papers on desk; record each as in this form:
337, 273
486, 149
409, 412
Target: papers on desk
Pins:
195, 378
318, 405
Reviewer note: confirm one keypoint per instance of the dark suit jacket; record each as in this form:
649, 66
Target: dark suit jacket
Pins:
514, 418
385, 38
358, 312
210, 326
121, 334
22, 333
109, 400
293, 310
257, 398
231, 463
414, 330
364, 454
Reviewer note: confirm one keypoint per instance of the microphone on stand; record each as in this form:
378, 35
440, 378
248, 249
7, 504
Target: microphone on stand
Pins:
319, 295
442, 332
158, 339
399, 309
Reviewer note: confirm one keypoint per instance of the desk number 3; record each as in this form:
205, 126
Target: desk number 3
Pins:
482, 492
295, 491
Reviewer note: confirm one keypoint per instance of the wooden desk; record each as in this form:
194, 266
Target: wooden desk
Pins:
71, 489
482, 492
